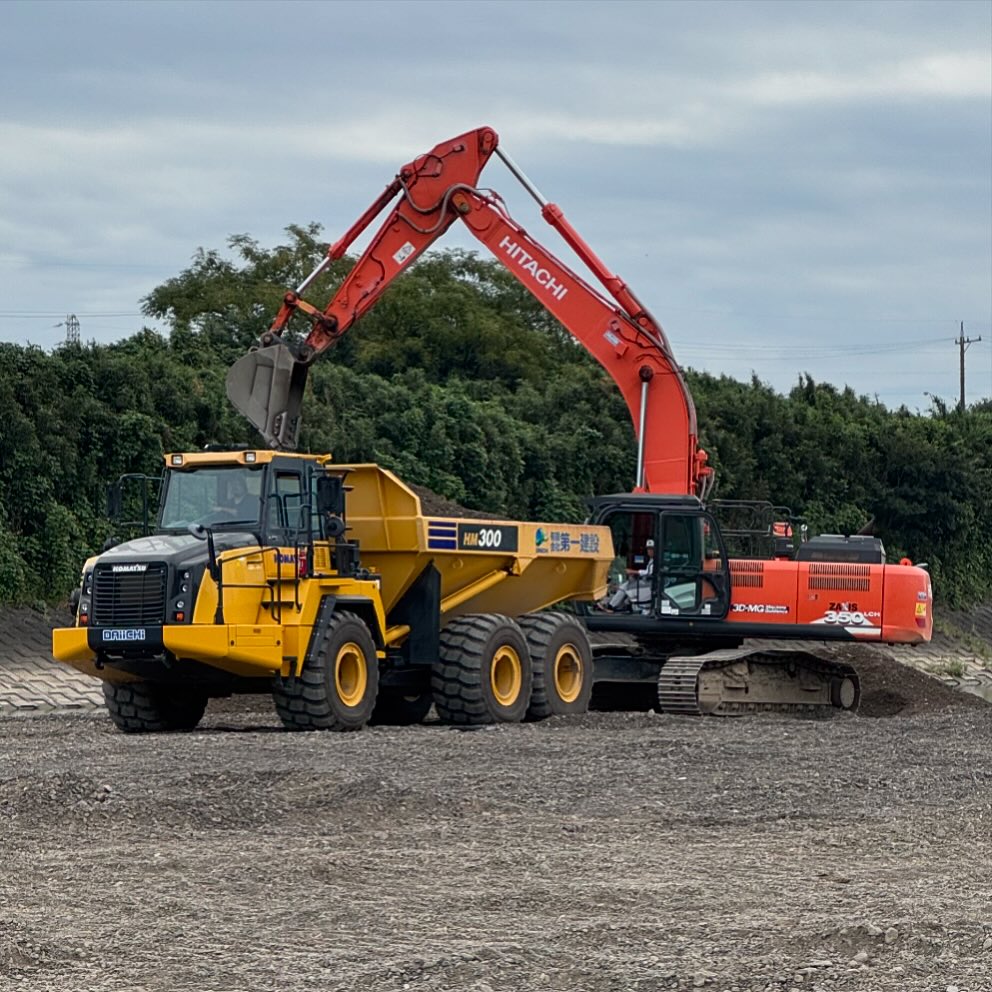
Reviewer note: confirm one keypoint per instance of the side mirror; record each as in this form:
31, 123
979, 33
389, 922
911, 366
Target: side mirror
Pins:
198, 531
330, 495
202, 533
115, 501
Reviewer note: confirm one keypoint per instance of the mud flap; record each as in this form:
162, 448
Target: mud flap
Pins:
266, 385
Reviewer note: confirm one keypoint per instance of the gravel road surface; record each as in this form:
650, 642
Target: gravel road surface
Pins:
614, 851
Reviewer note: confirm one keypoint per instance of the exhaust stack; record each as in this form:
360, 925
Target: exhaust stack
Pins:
266, 385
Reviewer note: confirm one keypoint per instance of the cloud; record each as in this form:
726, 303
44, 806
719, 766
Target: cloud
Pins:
750, 169
950, 75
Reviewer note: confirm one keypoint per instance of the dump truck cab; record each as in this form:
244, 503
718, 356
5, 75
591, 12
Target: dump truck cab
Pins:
221, 597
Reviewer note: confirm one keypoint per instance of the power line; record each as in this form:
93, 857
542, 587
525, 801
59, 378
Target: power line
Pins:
806, 353
49, 314
866, 318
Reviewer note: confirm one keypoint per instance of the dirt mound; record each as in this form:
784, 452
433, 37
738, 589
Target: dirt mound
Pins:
440, 506
891, 688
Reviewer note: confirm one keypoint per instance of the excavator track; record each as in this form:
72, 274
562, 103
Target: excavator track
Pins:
748, 680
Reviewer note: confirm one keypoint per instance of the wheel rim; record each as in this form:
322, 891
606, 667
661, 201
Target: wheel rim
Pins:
568, 674
351, 675
506, 675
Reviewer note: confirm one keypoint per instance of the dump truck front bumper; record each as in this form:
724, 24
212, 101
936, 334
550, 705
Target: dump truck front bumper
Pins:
241, 649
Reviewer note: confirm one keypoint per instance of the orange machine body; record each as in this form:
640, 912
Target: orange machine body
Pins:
891, 604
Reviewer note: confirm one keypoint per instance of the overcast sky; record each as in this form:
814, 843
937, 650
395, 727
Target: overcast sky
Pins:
789, 187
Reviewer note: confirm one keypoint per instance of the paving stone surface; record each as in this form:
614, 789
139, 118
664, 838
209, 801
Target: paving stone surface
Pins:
31, 680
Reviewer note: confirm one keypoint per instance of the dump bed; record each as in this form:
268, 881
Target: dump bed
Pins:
486, 566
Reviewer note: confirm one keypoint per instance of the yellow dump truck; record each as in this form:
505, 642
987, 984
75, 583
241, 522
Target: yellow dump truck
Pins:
327, 585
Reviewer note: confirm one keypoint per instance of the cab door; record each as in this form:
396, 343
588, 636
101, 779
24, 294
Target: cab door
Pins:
288, 520
693, 572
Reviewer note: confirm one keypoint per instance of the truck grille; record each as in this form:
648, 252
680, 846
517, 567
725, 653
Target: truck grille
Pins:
129, 599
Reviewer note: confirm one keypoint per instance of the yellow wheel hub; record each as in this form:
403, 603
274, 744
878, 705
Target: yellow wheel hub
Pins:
351, 675
568, 674
506, 676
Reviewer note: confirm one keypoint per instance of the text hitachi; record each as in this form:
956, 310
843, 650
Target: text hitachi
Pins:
526, 261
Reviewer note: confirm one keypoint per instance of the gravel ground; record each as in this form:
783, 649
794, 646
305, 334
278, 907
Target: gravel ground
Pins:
614, 851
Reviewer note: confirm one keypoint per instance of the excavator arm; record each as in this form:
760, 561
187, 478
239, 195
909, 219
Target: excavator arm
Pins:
431, 193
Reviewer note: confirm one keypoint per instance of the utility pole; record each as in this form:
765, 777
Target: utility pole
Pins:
963, 343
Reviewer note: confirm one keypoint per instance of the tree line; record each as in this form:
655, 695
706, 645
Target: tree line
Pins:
460, 381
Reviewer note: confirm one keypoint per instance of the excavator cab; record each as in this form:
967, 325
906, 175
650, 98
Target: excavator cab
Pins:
671, 560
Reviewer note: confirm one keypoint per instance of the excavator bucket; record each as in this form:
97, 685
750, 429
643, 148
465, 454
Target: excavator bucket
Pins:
266, 385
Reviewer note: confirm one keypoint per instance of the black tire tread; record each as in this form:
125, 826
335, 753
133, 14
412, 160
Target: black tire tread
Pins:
302, 703
540, 630
144, 707
457, 677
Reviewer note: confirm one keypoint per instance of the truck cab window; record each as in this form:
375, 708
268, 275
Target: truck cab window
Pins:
211, 495
285, 515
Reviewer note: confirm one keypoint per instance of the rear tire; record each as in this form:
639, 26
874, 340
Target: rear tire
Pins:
145, 707
562, 660
339, 683
484, 673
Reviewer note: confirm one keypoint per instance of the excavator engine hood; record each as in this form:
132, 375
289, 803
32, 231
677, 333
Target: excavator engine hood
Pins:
267, 385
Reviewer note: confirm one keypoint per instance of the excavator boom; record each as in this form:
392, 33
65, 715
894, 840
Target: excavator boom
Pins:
267, 384
431, 192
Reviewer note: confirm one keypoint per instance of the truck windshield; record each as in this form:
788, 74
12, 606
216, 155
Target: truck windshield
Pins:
218, 496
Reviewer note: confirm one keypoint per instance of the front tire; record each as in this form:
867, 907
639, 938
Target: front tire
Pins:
339, 683
563, 666
144, 707
484, 672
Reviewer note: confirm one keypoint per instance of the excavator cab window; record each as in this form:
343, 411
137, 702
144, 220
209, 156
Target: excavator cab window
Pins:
632, 533
671, 559
693, 576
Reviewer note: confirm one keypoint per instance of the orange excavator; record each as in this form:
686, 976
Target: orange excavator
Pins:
682, 617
